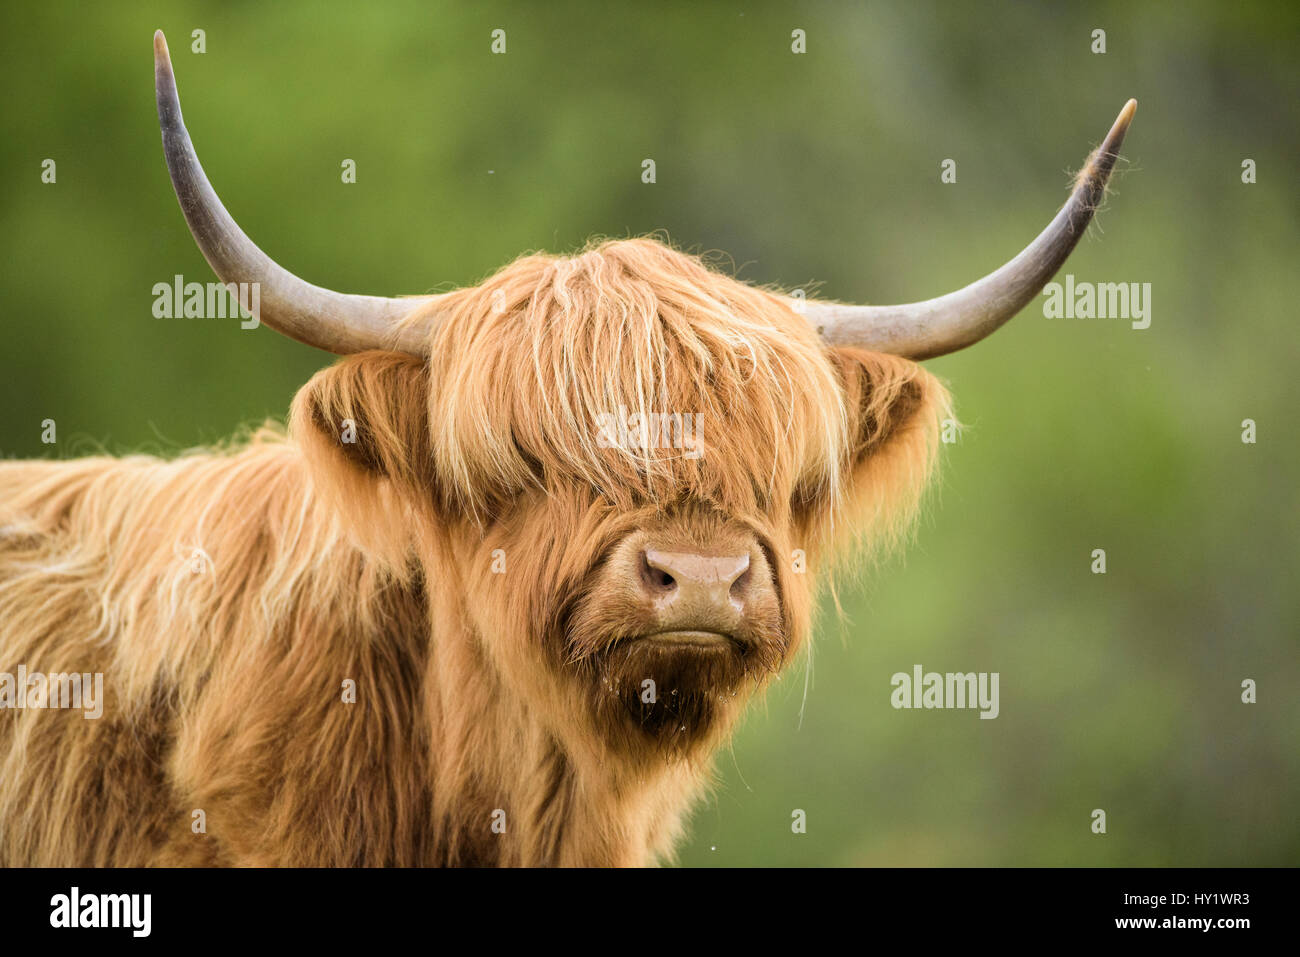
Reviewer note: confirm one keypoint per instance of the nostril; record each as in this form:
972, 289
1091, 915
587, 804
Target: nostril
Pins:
656, 579
740, 586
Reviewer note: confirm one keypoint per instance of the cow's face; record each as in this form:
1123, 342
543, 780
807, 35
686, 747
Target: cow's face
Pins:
636, 468
632, 471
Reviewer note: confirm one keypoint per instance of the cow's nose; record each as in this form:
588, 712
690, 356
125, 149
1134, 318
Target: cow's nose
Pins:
687, 586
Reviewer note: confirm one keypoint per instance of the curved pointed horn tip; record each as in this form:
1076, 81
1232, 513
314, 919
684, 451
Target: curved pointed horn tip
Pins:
1115, 137
1096, 171
162, 61
164, 84
1120, 126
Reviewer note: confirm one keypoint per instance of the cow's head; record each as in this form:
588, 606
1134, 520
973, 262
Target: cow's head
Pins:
626, 473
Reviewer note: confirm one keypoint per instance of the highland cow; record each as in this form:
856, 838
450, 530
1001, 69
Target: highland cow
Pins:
444, 618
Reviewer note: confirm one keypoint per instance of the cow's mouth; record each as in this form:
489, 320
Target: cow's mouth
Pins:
691, 639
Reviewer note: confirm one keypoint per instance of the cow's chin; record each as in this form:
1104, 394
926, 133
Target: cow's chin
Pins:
677, 690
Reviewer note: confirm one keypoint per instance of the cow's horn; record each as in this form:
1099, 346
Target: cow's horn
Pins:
338, 322
935, 327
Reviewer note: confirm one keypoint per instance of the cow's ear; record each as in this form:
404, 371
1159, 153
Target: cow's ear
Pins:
887, 399
367, 416
894, 409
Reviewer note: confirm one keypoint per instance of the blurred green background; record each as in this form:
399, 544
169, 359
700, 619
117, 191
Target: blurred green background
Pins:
1118, 691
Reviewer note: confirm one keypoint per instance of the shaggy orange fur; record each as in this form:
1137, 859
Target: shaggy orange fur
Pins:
452, 561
